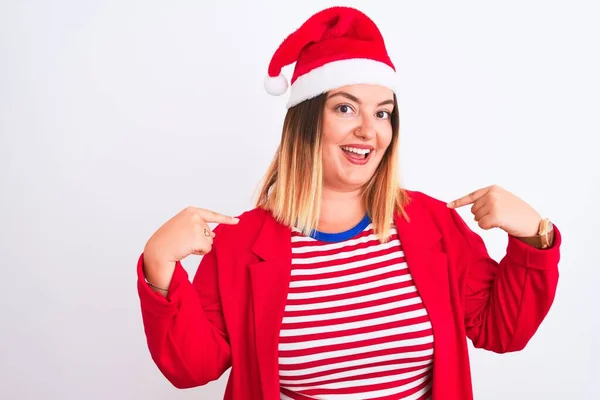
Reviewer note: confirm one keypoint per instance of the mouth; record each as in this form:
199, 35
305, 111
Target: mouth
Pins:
357, 155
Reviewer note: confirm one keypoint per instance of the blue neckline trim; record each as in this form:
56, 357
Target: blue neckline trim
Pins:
341, 236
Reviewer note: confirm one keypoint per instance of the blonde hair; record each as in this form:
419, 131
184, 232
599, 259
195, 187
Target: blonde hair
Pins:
292, 187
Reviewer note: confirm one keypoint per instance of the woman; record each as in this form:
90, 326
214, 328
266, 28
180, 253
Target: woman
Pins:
340, 284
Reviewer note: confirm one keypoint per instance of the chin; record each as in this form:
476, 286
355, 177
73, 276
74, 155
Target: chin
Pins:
349, 178
353, 182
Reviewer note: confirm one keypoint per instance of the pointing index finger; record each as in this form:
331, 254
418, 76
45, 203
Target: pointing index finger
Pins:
212, 216
468, 199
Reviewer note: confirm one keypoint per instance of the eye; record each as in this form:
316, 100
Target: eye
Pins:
383, 114
344, 109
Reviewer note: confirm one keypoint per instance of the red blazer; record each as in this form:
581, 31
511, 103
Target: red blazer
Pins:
230, 315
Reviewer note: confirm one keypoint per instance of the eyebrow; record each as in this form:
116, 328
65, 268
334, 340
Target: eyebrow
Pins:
357, 100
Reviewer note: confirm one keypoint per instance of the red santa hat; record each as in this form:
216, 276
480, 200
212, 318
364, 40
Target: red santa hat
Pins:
335, 47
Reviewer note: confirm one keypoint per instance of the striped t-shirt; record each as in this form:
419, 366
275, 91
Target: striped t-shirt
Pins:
354, 326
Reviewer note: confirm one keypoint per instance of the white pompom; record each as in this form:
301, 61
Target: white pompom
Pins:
276, 86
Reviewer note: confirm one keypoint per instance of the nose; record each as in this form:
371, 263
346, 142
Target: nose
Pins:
366, 129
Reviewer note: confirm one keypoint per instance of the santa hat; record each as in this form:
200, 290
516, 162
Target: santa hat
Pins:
335, 47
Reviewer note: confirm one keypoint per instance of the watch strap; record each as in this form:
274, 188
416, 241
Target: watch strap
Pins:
544, 238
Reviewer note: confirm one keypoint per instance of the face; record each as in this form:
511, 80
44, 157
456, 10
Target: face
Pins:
357, 130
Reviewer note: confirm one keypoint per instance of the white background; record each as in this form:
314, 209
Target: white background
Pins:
115, 115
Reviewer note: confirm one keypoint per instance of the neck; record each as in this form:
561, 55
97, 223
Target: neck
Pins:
340, 210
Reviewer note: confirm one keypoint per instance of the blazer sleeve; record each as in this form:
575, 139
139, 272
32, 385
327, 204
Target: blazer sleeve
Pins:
505, 302
185, 331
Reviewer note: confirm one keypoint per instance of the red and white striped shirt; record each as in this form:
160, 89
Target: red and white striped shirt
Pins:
354, 326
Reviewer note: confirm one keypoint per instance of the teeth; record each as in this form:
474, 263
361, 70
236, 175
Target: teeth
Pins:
357, 151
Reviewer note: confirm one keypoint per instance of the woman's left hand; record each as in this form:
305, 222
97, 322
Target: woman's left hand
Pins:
495, 207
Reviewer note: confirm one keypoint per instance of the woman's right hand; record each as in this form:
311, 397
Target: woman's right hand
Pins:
184, 234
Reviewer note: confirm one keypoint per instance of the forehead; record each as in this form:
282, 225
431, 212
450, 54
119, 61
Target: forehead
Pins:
366, 92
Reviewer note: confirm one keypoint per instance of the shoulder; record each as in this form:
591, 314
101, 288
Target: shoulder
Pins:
250, 222
432, 215
425, 207
420, 202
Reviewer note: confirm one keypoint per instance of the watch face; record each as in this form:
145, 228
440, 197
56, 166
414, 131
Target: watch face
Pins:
547, 230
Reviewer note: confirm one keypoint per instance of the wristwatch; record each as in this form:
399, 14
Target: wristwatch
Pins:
544, 238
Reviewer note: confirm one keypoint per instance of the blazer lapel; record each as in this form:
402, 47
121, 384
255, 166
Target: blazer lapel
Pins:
428, 264
270, 278
421, 242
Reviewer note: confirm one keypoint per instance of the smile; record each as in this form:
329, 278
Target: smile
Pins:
357, 155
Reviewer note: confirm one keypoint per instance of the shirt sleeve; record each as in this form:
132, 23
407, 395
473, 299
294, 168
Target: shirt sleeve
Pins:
505, 302
185, 331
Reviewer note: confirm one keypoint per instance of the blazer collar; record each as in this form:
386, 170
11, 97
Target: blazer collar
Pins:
273, 241
416, 229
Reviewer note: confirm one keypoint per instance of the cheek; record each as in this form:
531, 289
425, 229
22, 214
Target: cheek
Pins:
335, 130
385, 137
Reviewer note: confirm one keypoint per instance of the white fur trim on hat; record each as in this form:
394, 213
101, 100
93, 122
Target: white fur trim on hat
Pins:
336, 74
